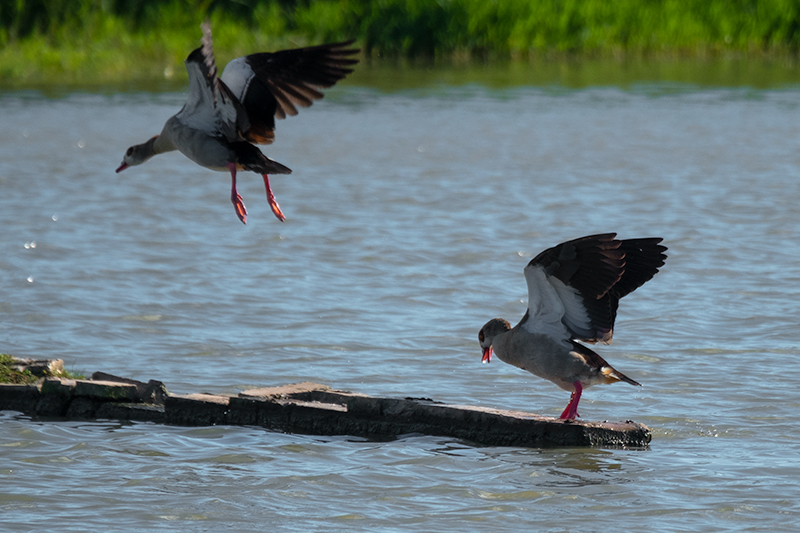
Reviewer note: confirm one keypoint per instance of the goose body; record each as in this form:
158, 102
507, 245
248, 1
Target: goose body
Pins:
224, 117
573, 294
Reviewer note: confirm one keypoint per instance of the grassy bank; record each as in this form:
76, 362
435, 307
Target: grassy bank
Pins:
17, 371
105, 40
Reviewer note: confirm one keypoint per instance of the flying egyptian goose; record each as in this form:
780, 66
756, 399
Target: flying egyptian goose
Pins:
573, 294
223, 116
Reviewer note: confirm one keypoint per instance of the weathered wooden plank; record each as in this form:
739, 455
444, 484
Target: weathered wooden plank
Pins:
314, 409
391, 417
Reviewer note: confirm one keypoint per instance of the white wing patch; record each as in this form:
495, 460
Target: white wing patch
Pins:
237, 76
207, 113
554, 309
210, 107
198, 112
575, 318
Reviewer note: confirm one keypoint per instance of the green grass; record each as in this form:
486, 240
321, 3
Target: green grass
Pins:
122, 40
11, 375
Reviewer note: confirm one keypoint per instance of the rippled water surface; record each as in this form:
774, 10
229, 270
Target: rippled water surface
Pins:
411, 214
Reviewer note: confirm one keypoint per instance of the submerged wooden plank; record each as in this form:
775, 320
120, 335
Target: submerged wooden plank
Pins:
375, 417
314, 409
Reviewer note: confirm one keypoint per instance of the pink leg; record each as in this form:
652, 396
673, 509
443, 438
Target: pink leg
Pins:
571, 412
273, 204
241, 211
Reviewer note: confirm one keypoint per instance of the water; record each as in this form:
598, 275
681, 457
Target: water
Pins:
411, 214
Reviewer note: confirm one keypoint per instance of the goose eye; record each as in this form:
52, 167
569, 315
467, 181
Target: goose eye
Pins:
480, 336
130, 151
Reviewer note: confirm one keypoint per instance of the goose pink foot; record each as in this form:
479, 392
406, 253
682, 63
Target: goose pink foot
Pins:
571, 412
236, 199
273, 204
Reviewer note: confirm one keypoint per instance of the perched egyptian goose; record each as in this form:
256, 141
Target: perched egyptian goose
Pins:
223, 116
573, 294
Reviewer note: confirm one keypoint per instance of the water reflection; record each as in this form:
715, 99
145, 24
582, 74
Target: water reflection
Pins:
653, 77
645, 75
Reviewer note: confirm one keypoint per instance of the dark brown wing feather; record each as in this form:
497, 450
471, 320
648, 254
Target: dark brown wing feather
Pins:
289, 79
643, 258
591, 264
603, 269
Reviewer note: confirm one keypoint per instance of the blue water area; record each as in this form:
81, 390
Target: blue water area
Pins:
411, 214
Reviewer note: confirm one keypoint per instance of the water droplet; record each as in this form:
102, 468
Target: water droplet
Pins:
81, 144
29, 245
30, 279
168, 72
55, 217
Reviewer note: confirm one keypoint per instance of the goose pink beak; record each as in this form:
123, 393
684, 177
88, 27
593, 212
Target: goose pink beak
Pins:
122, 167
487, 355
